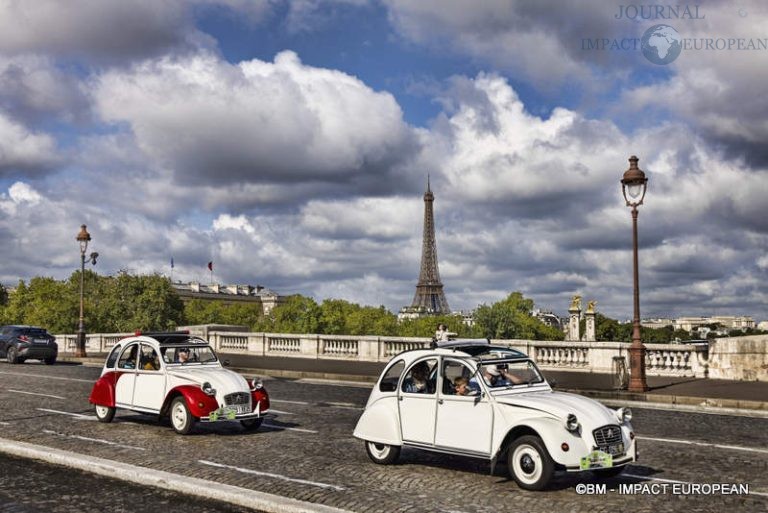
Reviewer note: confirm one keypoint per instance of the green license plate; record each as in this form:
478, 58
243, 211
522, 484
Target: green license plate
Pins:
596, 459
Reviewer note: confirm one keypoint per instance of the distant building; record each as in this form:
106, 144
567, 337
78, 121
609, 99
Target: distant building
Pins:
550, 319
268, 299
657, 323
730, 322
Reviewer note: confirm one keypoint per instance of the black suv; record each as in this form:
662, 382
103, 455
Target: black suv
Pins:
19, 343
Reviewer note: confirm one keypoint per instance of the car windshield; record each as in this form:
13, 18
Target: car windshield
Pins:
188, 355
503, 375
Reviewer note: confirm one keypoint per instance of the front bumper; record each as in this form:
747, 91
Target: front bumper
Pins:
229, 413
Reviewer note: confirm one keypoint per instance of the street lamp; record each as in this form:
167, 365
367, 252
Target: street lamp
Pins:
83, 238
633, 186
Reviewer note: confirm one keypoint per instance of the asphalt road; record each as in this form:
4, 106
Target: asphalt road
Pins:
305, 451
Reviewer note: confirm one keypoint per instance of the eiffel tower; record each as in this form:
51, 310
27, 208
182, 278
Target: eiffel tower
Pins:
429, 297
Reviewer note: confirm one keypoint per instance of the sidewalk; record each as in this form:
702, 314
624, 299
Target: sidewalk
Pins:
694, 392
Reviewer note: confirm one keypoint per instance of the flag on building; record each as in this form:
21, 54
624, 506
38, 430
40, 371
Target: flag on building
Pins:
210, 266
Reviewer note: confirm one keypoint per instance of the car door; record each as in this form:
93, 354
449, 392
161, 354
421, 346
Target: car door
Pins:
126, 366
149, 390
464, 423
417, 402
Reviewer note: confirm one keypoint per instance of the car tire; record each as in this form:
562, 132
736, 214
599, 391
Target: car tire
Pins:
182, 419
252, 424
12, 355
50, 360
105, 413
605, 473
382, 454
530, 465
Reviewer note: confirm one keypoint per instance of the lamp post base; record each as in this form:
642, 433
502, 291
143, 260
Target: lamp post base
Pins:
637, 381
80, 346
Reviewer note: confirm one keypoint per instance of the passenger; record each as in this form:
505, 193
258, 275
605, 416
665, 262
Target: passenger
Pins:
441, 335
151, 361
417, 382
461, 385
182, 355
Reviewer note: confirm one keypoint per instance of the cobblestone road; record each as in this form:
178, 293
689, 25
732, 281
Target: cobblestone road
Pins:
305, 451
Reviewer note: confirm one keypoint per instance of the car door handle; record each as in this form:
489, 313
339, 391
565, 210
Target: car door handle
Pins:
439, 401
400, 398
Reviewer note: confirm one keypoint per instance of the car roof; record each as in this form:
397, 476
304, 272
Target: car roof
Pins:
481, 348
169, 338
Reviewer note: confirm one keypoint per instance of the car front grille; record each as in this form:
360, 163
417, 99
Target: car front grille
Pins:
607, 435
237, 398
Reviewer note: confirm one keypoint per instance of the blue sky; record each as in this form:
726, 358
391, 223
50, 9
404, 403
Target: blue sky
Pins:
289, 142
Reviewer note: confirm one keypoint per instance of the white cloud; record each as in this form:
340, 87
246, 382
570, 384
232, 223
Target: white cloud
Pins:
21, 149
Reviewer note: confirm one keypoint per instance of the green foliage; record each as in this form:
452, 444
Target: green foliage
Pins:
298, 314
3, 296
111, 304
511, 318
198, 311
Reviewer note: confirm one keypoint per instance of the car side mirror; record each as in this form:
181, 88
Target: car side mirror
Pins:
225, 363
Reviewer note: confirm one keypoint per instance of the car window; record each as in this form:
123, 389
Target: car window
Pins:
128, 357
35, 332
420, 378
148, 361
392, 376
112, 358
456, 374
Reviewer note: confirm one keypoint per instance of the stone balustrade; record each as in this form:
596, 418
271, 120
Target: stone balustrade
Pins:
601, 357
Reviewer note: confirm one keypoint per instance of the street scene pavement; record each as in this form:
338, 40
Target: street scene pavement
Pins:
305, 451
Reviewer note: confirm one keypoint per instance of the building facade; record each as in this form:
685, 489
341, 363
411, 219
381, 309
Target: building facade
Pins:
229, 294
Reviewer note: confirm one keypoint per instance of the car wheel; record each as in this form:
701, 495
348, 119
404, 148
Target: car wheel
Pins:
382, 454
530, 465
252, 424
181, 418
50, 360
104, 413
605, 473
12, 355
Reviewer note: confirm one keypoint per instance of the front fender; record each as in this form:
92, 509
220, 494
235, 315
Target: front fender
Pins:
103, 391
380, 422
553, 433
199, 403
260, 398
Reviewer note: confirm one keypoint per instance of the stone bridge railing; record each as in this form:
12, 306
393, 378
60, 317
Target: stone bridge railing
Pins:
600, 357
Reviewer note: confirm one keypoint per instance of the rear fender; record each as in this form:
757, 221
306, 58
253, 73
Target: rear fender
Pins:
103, 392
199, 403
380, 422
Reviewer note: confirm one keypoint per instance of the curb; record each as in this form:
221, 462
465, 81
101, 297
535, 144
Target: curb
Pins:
236, 495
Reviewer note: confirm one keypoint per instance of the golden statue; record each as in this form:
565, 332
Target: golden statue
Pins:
575, 303
591, 307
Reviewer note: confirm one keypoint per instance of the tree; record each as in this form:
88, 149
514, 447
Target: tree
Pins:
298, 314
511, 318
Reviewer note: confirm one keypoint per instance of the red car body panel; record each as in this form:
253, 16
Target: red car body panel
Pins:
103, 392
199, 403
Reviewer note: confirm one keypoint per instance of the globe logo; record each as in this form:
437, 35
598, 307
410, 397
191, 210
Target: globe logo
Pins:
661, 44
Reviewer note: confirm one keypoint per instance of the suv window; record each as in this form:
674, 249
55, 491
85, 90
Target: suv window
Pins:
34, 332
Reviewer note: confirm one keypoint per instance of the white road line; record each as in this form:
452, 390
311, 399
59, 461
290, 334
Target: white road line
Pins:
275, 476
304, 403
4, 423
281, 412
35, 393
331, 382
43, 376
97, 440
272, 426
675, 481
286, 401
347, 406
71, 414
704, 444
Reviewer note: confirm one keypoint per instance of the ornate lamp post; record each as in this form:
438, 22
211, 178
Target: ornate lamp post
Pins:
83, 238
633, 186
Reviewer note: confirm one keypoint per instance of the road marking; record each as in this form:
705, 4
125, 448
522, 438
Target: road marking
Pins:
144, 476
35, 393
97, 440
4, 423
71, 414
347, 406
281, 412
330, 382
704, 444
675, 481
286, 401
266, 425
43, 376
331, 405
275, 476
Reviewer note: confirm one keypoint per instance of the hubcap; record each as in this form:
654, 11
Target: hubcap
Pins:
527, 463
101, 411
380, 451
179, 415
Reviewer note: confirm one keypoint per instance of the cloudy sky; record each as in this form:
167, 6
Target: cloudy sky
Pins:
289, 142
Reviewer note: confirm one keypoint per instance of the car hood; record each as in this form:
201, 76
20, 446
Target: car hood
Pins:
223, 380
590, 413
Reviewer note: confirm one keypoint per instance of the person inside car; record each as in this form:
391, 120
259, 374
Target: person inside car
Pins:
150, 360
418, 381
461, 385
182, 355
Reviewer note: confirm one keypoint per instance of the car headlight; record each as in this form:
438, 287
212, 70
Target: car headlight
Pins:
208, 389
624, 414
255, 384
572, 423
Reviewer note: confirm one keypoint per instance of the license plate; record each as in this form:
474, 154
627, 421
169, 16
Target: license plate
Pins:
242, 408
40, 341
596, 459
